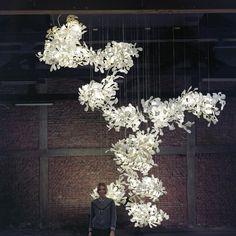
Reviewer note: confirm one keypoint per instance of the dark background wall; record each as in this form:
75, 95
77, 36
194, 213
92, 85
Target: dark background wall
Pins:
52, 157
72, 178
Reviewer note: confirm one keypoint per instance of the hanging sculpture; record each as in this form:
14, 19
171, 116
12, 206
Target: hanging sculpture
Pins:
133, 155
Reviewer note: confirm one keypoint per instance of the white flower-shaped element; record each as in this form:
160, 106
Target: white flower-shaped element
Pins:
135, 152
165, 114
116, 56
115, 191
143, 214
63, 48
150, 187
203, 105
129, 117
98, 95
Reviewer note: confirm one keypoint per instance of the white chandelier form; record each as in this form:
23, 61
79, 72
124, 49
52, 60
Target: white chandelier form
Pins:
133, 155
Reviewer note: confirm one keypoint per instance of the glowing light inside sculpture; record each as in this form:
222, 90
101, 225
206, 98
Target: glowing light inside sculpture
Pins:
133, 155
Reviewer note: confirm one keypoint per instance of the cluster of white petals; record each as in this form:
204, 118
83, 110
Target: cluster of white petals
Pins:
167, 113
115, 191
134, 154
116, 57
203, 105
125, 116
99, 95
63, 48
150, 187
143, 214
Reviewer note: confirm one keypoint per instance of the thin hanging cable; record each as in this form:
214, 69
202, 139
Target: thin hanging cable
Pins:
208, 67
199, 56
125, 84
143, 64
90, 42
185, 76
146, 59
185, 80
153, 75
121, 85
101, 77
58, 20
208, 59
131, 37
107, 39
147, 63
173, 53
123, 40
159, 63
138, 64
108, 28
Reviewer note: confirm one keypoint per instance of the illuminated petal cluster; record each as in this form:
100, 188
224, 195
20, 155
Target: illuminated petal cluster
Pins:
203, 105
125, 116
167, 113
116, 57
143, 214
63, 48
99, 95
134, 154
150, 187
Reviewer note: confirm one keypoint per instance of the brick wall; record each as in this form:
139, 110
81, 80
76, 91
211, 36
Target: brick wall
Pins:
19, 191
172, 170
215, 189
72, 178
221, 133
19, 128
69, 126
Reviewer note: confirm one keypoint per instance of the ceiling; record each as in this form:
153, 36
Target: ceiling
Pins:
180, 49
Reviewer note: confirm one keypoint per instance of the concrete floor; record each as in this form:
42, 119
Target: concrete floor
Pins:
231, 232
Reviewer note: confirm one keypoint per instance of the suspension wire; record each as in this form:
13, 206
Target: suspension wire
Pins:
173, 54
58, 20
90, 42
138, 67
147, 62
159, 63
125, 82
199, 56
123, 40
101, 45
154, 77
107, 39
208, 60
146, 59
185, 74
143, 65
185, 79
131, 37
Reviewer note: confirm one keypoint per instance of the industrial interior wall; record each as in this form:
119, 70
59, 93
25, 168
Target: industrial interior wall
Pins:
72, 178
